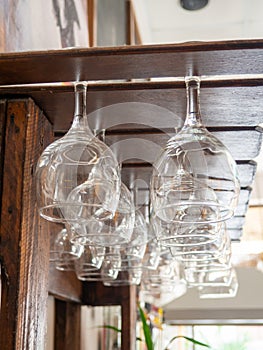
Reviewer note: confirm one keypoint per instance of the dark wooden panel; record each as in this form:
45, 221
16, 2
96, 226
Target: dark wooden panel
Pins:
67, 326
64, 285
155, 108
145, 146
2, 142
201, 58
96, 294
228, 106
24, 241
142, 172
128, 320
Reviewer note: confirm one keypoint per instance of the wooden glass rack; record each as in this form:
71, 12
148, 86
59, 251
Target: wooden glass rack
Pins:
135, 92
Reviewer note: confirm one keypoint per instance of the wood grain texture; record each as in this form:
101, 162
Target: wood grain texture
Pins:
130, 62
65, 285
162, 108
24, 241
67, 325
129, 318
96, 294
145, 146
2, 143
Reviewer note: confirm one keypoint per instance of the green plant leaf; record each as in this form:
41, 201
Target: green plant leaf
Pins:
187, 338
146, 331
110, 327
117, 330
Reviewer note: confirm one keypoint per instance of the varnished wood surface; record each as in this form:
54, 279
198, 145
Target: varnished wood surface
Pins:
64, 285
229, 106
96, 294
129, 320
129, 62
24, 245
67, 334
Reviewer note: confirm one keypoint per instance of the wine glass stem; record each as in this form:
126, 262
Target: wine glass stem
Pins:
80, 114
193, 113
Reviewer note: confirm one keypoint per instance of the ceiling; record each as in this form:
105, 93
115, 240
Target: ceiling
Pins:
165, 21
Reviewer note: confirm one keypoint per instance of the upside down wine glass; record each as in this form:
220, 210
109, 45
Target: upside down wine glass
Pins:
194, 180
78, 176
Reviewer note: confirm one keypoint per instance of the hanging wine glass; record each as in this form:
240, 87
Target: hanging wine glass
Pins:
112, 231
218, 250
78, 176
132, 253
195, 178
66, 251
182, 235
220, 287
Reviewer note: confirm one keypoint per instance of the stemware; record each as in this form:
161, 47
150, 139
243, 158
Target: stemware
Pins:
132, 253
166, 277
77, 176
195, 251
97, 264
182, 235
195, 178
65, 252
209, 273
113, 231
135, 249
228, 288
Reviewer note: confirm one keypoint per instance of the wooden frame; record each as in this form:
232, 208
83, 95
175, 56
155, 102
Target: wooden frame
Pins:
133, 36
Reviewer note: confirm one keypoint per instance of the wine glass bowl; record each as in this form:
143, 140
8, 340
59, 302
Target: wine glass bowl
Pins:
77, 176
195, 177
110, 232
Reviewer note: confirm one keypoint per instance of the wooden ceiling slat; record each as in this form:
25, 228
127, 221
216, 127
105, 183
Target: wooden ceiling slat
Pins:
243, 144
201, 58
231, 106
142, 171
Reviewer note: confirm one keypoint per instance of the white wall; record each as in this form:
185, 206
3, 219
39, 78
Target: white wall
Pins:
247, 304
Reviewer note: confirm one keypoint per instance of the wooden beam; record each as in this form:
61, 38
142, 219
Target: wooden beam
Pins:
24, 245
234, 57
64, 285
96, 294
92, 22
128, 319
67, 325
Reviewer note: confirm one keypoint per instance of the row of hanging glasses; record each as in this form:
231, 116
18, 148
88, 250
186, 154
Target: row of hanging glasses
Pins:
194, 190
98, 231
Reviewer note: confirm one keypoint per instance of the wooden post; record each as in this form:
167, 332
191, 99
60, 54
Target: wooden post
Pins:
67, 325
128, 319
96, 294
24, 245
